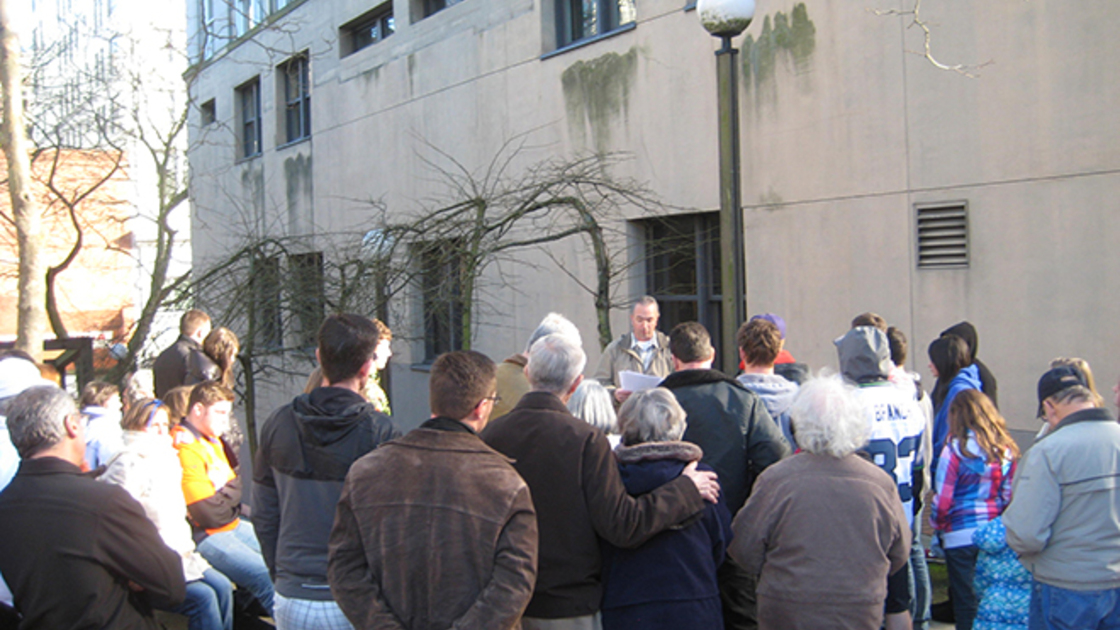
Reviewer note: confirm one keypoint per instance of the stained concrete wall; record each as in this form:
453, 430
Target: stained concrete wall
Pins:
844, 129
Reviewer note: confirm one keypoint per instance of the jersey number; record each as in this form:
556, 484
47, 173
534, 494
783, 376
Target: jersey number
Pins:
885, 455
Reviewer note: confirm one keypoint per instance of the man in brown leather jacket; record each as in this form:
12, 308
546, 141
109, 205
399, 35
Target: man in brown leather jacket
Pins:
436, 529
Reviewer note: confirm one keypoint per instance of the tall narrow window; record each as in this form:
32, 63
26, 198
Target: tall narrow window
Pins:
583, 19
264, 288
305, 292
682, 270
441, 290
249, 117
297, 99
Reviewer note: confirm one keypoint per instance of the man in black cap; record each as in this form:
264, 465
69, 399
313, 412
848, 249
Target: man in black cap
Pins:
1063, 518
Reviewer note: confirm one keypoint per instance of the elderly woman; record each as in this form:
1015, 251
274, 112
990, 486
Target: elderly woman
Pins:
591, 402
824, 528
670, 581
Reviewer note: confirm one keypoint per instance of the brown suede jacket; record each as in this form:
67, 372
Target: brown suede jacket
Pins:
434, 530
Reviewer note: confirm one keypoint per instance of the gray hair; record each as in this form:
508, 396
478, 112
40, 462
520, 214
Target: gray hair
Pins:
828, 418
592, 403
554, 324
645, 300
652, 415
1077, 394
555, 362
36, 418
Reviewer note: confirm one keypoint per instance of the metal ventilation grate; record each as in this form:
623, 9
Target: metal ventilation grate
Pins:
943, 235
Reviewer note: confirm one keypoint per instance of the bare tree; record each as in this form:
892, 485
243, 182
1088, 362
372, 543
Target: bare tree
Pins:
32, 319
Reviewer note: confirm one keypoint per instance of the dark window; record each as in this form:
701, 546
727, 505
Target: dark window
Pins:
435, 6
305, 292
942, 235
208, 112
297, 99
249, 117
583, 19
368, 29
264, 287
682, 270
441, 289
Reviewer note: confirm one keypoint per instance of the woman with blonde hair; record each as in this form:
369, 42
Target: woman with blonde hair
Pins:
972, 486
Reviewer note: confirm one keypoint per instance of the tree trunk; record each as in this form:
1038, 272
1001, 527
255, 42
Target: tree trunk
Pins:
31, 320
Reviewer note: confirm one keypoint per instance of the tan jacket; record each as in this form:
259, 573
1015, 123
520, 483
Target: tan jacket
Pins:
512, 384
618, 357
434, 530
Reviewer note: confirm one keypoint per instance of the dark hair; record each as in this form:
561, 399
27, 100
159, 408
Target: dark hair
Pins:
222, 346
192, 320
760, 340
209, 393
897, 342
97, 393
690, 342
870, 319
949, 354
459, 381
177, 401
346, 342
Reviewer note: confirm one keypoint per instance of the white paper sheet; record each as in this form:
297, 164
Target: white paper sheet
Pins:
636, 381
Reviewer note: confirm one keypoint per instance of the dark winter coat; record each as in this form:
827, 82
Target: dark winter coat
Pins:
731, 424
670, 581
70, 545
305, 451
579, 497
170, 368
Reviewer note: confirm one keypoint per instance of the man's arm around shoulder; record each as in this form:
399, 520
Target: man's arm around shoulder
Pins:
626, 521
504, 598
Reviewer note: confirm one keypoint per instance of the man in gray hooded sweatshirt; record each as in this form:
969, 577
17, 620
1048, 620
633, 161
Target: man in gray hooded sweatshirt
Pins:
760, 341
897, 425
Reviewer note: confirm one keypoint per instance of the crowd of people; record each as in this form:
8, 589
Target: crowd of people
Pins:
535, 498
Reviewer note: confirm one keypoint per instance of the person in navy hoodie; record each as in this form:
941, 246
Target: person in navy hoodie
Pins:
670, 581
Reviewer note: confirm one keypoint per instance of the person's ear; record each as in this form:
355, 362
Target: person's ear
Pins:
73, 425
575, 384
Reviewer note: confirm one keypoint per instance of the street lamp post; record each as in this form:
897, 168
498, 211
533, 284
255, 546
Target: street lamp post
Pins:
727, 19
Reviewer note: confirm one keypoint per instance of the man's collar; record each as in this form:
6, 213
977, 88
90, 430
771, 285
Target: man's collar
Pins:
48, 465
1093, 414
440, 423
634, 343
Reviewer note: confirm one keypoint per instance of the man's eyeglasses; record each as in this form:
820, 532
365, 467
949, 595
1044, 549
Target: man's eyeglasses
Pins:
494, 399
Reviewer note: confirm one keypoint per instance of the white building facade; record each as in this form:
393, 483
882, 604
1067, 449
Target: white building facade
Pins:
872, 179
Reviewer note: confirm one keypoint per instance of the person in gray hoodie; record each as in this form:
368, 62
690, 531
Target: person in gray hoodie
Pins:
760, 341
897, 426
306, 449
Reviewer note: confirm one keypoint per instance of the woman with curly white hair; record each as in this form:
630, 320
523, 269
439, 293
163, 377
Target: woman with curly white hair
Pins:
824, 528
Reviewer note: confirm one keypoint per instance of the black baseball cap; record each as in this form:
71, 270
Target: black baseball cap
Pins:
1057, 380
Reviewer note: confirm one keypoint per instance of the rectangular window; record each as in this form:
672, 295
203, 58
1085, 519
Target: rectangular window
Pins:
208, 113
942, 235
441, 291
297, 99
249, 117
682, 270
583, 19
305, 292
209, 28
264, 288
367, 30
432, 7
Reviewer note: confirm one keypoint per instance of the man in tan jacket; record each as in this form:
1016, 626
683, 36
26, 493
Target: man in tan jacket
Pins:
644, 350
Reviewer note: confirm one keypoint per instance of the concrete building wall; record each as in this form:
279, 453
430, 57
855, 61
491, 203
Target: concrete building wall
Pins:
844, 130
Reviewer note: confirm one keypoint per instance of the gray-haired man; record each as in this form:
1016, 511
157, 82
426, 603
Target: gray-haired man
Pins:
77, 553
577, 490
644, 350
1062, 519
512, 384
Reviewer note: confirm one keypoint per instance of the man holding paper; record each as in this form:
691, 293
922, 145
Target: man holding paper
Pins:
644, 350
